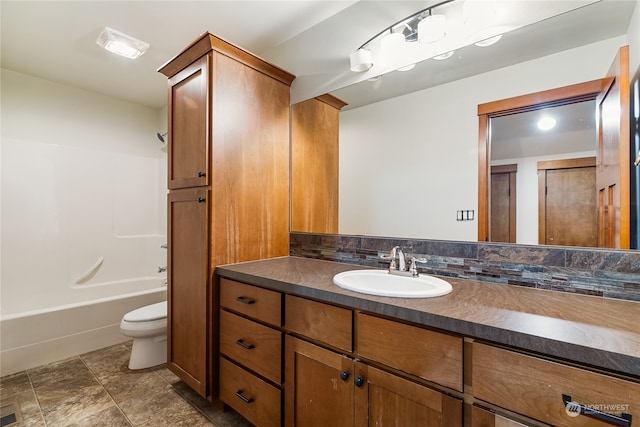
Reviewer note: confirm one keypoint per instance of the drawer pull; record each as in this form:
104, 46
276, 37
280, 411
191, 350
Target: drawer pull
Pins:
358, 381
243, 344
244, 398
245, 300
574, 407
344, 375
201, 174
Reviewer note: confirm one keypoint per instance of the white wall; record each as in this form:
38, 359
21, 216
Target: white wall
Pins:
426, 142
83, 177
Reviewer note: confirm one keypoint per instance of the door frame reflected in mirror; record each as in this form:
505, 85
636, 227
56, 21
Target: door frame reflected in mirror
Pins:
580, 92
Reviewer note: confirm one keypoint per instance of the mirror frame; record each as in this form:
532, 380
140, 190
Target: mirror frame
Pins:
586, 91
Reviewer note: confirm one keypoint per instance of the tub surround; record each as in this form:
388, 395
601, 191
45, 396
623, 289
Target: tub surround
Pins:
596, 272
578, 328
43, 337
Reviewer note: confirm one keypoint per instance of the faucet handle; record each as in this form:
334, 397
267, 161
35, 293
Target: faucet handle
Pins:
413, 269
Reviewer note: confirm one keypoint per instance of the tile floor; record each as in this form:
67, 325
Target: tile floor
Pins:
97, 389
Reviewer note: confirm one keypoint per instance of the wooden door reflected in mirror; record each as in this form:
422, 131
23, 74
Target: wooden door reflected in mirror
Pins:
606, 100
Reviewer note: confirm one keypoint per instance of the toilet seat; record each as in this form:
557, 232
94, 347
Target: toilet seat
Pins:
147, 313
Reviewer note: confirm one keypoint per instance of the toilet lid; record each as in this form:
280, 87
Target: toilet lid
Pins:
149, 312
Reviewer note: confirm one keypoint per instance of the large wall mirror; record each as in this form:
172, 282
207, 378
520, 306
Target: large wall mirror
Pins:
408, 158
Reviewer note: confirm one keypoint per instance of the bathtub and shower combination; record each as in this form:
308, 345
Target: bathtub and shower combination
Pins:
37, 336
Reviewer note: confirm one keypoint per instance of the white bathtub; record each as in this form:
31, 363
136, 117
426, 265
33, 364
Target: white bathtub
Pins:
36, 337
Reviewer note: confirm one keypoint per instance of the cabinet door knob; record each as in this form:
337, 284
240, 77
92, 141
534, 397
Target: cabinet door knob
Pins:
358, 381
344, 375
201, 174
244, 398
201, 199
623, 420
243, 344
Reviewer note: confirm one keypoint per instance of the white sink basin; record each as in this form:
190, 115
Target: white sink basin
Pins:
380, 282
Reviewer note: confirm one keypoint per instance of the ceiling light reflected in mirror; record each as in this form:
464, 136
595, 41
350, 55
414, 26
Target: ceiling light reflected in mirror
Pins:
546, 123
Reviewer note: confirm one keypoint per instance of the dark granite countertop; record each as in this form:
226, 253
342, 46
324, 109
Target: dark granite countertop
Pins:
600, 332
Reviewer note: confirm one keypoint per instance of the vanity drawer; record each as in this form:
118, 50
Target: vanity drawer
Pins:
318, 321
261, 304
427, 354
251, 344
535, 387
253, 398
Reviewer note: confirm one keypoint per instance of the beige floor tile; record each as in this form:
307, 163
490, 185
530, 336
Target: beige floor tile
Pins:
110, 417
66, 407
14, 384
164, 408
27, 409
168, 376
70, 372
109, 361
134, 384
227, 418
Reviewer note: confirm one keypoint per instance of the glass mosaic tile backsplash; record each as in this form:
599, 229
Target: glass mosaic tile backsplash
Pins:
598, 272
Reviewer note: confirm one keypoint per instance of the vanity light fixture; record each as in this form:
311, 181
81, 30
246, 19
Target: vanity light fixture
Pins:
489, 41
445, 55
422, 26
546, 123
121, 44
432, 28
407, 68
361, 60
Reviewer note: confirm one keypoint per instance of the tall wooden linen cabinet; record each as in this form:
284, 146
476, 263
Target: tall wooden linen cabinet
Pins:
228, 128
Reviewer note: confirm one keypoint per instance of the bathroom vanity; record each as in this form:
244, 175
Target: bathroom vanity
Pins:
297, 350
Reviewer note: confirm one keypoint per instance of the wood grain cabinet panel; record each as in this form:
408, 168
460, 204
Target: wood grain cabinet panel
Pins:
228, 131
257, 303
251, 344
535, 387
388, 400
189, 291
321, 322
319, 386
314, 164
188, 135
427, 354
326, 388
255, 399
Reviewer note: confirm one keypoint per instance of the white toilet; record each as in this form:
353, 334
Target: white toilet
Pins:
148, 327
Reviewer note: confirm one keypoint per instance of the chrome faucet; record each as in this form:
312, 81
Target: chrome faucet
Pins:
396, 252
400, 266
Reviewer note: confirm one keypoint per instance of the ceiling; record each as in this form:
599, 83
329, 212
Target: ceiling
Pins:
55, 40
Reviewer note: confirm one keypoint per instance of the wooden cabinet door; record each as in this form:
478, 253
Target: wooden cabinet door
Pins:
614, 162
189, 133
567, 202
189, 286
318, 386
385, 399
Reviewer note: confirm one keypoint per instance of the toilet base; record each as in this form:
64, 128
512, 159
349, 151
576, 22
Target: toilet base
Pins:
148, 352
